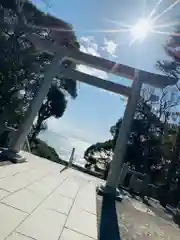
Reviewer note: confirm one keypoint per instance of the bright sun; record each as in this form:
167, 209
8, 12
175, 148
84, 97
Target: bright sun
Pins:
141, 29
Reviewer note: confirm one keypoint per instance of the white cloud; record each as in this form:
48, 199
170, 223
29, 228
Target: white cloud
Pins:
90, 42
89, 45
110, 47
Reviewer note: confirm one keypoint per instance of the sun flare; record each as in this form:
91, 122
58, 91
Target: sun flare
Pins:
148, 24
141, 29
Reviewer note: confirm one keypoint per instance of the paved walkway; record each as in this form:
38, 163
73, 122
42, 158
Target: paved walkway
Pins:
41, 200
38, 202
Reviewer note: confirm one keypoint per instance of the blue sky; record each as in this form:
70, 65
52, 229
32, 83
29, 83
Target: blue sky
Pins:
90, 116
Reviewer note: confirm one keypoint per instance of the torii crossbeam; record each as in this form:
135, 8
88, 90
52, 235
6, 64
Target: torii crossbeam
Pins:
138, 76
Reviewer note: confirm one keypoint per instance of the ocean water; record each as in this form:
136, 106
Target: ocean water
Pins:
63, 144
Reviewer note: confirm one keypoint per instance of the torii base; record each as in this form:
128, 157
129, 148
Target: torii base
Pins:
107, 191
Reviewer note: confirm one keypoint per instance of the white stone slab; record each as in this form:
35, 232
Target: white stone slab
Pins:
58, 203
18, 181
43, 224
18, 236
68, 234
10, 218
24, 200
83, 222
10, 169
34, 180
3, 193
41, 164
46, 185
87, 192
69, 188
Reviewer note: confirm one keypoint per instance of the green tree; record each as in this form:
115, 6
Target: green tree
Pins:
22, 66
172, 68
143, 148
41, 149
16, 69
53, 106
56, 102
99, 153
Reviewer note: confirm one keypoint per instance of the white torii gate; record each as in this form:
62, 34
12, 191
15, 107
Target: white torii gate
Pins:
138, 76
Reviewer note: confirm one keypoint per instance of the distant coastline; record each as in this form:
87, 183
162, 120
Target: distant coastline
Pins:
64, 145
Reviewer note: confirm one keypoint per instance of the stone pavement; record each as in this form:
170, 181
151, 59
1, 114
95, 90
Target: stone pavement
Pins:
42, 200
38, 202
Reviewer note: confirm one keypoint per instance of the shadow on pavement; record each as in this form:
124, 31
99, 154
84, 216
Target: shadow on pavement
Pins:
4, 163
108, 221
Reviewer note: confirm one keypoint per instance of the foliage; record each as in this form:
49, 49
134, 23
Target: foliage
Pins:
53, 106
154, 143
143, 151
22, 66
98, 154
172, 68
41, 149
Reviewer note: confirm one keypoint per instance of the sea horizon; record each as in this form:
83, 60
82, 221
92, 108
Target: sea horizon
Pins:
63, 145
